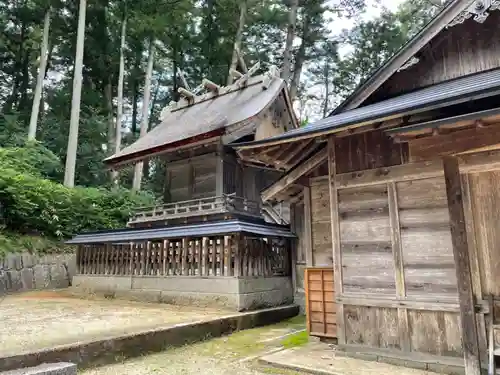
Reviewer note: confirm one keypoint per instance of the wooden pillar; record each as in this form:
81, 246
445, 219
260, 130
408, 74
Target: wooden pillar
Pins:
219, 171
462, 265
308, 243
335, 224
397, 254
293, 248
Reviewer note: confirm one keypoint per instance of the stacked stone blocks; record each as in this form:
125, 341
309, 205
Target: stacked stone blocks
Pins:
24, 271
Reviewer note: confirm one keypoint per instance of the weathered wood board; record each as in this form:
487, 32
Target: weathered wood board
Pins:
321, 225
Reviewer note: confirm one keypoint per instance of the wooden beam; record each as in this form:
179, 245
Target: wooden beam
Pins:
454, 142
474, 259
304, 149
462, 265
335, 227
285, 150
308, 226
292, 176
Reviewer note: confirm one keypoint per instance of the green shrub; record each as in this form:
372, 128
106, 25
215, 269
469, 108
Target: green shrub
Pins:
32, 158
35, 205
14, 242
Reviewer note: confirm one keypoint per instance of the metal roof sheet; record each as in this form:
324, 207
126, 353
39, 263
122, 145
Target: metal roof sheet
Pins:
214, 113
440, 95
204, 229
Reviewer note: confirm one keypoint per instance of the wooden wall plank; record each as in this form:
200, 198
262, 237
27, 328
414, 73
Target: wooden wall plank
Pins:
375, 327
435, 332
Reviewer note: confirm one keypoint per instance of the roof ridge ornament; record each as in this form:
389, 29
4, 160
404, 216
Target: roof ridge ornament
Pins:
477, 9
409, 63
269, 76
192, 96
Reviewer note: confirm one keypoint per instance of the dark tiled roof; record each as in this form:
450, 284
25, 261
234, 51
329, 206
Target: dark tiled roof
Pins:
205, 229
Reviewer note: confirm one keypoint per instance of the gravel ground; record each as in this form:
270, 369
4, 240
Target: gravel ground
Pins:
234, 354
39, 320
239, 353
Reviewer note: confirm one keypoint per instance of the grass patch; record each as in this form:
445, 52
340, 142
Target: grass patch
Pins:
298, 321
297, 339
277, 371
16, 243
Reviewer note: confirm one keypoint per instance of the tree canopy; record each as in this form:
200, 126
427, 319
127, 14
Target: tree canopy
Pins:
196, 37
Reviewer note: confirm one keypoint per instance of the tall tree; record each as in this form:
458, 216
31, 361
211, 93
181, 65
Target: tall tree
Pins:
136, 185
44, 50
119, 100
238, 39
290, 35
69, 172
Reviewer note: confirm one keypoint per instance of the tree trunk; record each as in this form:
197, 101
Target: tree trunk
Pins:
326, 74
69, 172
136, 184
237, 40
35, 108
108, 97
299, 61
287, 55
175, 86
135, 89
119, 105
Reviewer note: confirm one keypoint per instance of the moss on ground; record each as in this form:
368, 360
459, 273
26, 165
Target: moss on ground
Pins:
297, 339
17, 243
249, 342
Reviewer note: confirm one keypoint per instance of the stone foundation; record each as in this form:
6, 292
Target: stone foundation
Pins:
46, 369
24, 271
241, 294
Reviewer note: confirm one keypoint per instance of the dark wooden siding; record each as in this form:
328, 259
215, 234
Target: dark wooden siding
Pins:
458, 51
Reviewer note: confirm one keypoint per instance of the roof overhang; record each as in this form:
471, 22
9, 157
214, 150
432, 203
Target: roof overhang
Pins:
442, 95
163, 149
199, 229
489, 116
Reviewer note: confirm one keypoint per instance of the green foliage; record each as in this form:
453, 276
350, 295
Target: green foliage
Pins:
14, 242
33, 204
33, 159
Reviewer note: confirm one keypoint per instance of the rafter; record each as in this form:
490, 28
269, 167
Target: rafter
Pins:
291, 177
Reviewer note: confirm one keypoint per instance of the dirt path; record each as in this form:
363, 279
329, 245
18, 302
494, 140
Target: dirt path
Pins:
37, 320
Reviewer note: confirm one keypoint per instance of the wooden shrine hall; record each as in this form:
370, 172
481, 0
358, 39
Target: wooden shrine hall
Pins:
212, 225
397, 213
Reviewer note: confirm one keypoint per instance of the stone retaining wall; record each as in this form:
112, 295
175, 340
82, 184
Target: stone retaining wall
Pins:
25, 271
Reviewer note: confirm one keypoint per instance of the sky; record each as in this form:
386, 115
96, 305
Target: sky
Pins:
311, 110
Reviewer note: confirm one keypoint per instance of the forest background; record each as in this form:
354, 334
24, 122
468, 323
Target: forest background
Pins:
54, 135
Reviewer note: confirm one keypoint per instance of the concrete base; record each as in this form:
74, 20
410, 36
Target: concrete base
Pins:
105, 351
240, 294
46, 369
322, 359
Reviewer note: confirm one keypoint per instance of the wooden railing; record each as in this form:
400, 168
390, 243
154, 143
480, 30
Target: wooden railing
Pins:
196, 207
230, 255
